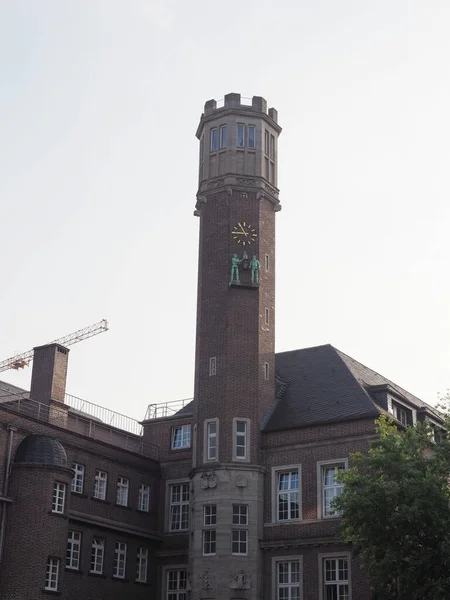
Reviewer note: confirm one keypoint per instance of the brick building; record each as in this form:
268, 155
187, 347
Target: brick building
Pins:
227, 496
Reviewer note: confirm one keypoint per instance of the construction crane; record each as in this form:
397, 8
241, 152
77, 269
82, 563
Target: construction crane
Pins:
22, 360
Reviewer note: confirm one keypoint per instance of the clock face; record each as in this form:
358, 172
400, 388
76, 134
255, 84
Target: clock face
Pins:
244, 233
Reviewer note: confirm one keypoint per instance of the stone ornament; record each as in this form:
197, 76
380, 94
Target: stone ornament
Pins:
241, 481
208, 480
206, 580
240, 581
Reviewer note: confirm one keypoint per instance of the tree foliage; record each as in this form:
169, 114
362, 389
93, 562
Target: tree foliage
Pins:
396, 513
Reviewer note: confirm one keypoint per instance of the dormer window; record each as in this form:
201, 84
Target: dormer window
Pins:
181, 437
400, 413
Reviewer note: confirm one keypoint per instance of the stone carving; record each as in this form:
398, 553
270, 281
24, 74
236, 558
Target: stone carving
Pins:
208, 480
229, 191
235, 262
206, 580
240, 581
216, 183
245, 181
255, 266
241, 481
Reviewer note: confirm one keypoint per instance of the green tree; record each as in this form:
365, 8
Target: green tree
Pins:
396, 513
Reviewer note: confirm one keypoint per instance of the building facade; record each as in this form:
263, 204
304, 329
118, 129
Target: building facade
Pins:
228, 496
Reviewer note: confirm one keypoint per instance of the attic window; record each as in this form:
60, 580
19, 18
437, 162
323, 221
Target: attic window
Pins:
401, 414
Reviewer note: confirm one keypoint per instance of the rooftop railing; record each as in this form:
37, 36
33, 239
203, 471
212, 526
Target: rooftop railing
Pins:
165, 409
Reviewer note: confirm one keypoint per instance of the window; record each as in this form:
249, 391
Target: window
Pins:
179, 507
288, 580
59, 495
120, 560
244, 195
100, 480
214, 139
240, 135
176, 584
251, 136
288, 497
272, 147
78, 478
211, 440
327, 486
223, 136
266, 316
400, 414
335, 576
240, 514
266, 371
209, 542
266, 143
123, 485
210, 515
212, 366
240, 439
52, 573
141, 565
239, 541
266, 262
97, 555
144, 497
73, 550
181, 437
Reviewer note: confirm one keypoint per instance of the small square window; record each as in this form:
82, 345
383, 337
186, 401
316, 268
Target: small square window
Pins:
251, 136
240, 514
181, 437
244, 195
214, 139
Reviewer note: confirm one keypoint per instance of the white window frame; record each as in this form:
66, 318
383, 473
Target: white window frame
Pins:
100, 484
144, 497
142, 564
52, 574
276, 472
59, 497
240, 125
276, 560
213, 136
335, 556
246, 457
209, 542
222, 141
320, 488
180, 592
398, 411
97, 555
120, 560
242, 538
241, 519
209, 515
73, 551
182, 504
208, 437
77, 485
123, 487
185, 440
251, 128
212, 366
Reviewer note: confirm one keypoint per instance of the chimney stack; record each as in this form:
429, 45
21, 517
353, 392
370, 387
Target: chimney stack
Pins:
48, 378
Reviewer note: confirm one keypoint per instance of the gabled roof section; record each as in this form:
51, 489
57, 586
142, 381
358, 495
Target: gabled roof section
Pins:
9, 392
325, 386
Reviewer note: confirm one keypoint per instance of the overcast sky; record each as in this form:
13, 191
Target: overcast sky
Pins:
100, 100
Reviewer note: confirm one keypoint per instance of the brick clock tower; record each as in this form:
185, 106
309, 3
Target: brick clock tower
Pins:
235, 356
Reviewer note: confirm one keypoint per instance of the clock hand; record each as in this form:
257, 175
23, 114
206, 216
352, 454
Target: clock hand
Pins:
244, 232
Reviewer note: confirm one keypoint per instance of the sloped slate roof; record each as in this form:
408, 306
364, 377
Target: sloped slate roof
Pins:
325, 385
9, 392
